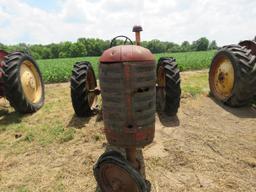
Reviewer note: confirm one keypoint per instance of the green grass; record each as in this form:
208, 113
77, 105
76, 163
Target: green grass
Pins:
44, 127
22, 189
195, 84
59, 70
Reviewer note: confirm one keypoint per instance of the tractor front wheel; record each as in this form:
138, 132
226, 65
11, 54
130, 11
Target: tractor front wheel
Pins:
114, 173
23, 84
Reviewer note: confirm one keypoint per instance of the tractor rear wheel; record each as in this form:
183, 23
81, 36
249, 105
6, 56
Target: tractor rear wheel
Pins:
232, 75
23, 84
83, 82
168, 86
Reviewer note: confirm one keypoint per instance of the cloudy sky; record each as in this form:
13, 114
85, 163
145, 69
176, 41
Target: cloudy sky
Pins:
47, 21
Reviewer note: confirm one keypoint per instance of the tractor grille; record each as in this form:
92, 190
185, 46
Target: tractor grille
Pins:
128, 94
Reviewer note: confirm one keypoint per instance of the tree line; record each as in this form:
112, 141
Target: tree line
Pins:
94, 47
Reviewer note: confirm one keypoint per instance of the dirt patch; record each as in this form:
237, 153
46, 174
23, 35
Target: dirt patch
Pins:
207, 147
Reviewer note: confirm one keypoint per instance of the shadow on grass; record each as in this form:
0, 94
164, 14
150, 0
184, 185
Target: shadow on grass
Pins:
78, 122
7, 118
248, 111
3, 112
168, 121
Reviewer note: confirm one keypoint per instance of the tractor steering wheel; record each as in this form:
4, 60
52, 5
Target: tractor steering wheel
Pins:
120, 36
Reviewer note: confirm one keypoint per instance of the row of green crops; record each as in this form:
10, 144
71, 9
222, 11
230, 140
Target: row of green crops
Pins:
59, 70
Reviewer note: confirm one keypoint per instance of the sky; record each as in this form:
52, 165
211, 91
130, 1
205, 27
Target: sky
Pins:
53, 21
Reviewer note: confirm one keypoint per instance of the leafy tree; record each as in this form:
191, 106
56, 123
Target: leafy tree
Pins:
46, 53
213, 45
76, 50
172, 47
54, 50
3, 47
201, 44
185, 46
155, 46
64, 49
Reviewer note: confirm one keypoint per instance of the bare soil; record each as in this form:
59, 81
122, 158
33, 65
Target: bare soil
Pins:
207, 147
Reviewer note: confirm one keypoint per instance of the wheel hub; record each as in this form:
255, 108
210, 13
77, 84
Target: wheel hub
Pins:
116, 185
92, 95
160, 92
30, 82
117, 179
161, 77
223, 77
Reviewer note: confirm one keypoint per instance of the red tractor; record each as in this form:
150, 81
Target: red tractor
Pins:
21, 81
232, 76
84, 89
130, 83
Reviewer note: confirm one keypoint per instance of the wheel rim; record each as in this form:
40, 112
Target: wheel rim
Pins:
30, 81
161, 93
91, 85
222, 77
116, 179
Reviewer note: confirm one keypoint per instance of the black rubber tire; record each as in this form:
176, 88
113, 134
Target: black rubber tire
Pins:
114, 157
244, 64
12, 83
79, 92
172, 82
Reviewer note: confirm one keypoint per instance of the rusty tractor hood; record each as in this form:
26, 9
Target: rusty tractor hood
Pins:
126, 53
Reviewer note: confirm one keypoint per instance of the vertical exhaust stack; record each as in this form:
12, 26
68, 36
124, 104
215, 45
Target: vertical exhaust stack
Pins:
137, 29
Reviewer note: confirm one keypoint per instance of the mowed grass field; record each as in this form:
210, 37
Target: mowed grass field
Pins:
59, 70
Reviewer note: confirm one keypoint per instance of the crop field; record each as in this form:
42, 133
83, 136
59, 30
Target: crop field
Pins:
59, 70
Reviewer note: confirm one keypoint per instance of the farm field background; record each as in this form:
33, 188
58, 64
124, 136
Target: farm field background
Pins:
59, 70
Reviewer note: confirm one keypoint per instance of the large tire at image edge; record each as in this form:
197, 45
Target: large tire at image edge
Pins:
82, 80
168, 79
23, 84
232, 75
